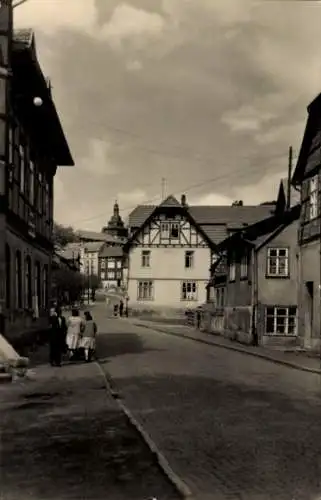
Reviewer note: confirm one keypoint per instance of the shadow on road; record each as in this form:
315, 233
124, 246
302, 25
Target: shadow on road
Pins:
110, 345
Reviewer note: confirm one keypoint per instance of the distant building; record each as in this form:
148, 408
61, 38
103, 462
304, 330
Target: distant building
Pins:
307, 178
85, 236
111, 266
115, 226
171, 248
89, 257
32, 145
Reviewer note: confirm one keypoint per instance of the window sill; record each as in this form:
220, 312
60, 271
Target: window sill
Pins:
188, 300
244, 278
145, 300
232, 280
277, 276
288, 335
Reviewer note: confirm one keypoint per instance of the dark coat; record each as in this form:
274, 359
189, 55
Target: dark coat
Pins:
58, 331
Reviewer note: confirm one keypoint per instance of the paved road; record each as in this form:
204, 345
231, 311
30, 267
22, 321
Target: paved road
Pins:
64, 438
232, 426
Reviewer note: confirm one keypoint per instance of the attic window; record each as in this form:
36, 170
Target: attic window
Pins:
169, 230
174, 231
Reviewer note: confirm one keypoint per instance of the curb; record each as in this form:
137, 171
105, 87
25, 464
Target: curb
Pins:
276, 361
182, 489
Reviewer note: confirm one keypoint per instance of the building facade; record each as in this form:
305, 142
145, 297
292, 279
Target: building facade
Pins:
32, 145
171, 249
307, 178
255, 282
111, 267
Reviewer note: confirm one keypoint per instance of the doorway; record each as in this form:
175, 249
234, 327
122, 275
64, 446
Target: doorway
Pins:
308, 309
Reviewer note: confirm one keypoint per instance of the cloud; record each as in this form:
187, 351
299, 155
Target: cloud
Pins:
208, 94
97, 161
128, 22
52, 15
246, 118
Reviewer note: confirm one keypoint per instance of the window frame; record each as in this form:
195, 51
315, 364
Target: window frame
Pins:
244, 266
189, 258
273, 312
269, 257
185, 297
313, 203
145, 285
145, 258
232, 269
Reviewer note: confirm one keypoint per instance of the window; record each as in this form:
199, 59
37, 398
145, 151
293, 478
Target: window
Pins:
165, 228
47, 207
145, 290
38, 284
31, 183
220, 297
18, 280
22, 168
118, 264
244, 266
189, 259
146, 258
281, 320
169, 230
111, 275
28, 283
103, 264
189, 290
111, 264
103, 275
10, 146
8, 277
119, 275
278, 262
174, 231
313, 197
45, 287
232, 270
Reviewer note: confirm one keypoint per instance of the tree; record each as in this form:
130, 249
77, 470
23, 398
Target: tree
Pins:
67, 284
237, 203
62, 235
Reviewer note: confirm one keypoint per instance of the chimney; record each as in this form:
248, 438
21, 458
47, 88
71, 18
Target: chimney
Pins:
183, 200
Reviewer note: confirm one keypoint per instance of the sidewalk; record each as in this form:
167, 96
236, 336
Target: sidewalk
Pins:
63, 436
294, 360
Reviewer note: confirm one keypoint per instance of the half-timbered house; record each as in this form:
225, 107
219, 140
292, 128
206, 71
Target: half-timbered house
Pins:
171, 248
307, 178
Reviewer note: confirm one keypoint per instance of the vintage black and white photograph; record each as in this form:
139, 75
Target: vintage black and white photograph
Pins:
160, 249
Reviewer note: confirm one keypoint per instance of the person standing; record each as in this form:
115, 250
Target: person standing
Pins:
88, 340
75, 327
57, 337
121, 308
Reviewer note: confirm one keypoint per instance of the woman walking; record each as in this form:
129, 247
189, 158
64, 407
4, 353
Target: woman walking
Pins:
88, 340
75, 327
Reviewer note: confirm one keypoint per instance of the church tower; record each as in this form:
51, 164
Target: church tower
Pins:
115, 226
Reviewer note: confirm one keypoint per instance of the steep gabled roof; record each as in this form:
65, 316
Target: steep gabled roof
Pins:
313, 121
214, 221
183, 210
170, 201
260, 233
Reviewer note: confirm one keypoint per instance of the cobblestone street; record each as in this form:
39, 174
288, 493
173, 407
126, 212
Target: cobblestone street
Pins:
231, 425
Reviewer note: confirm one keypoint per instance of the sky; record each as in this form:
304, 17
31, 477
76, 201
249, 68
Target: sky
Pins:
205, 94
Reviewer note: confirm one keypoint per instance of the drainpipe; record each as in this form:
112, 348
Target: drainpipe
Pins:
254, 279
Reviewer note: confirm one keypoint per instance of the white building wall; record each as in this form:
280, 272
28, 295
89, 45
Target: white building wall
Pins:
167, 271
